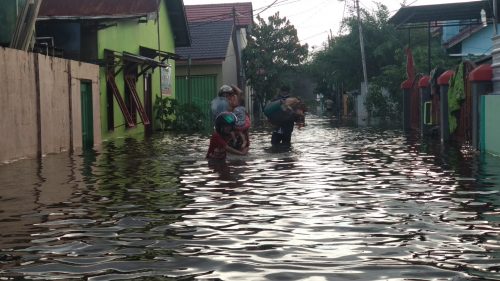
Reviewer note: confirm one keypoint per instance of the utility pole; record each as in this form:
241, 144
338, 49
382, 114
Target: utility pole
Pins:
495, 33
236, 45
362, 46
189, 79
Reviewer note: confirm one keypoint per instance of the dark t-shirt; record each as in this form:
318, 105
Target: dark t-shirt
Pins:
217, 147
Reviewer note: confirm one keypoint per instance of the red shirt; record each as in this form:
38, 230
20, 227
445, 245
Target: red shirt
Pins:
217, 147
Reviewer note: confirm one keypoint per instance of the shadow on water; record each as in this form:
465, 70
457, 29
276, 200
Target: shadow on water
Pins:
341, 203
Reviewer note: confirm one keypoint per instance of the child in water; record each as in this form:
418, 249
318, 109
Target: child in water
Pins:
241, 138
218, 148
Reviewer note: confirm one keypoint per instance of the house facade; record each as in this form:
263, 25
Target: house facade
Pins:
219, 34
477, 43
133, 41
468, 42
469, 30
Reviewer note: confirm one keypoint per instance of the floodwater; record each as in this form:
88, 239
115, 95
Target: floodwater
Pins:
343, 203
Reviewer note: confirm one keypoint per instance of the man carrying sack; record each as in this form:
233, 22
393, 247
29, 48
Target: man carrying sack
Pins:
282, 112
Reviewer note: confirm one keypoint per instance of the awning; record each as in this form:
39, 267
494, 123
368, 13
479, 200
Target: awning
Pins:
467, 13
118, 59
152, 54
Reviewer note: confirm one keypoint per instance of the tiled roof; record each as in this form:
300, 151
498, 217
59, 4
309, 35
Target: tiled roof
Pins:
209, 40
221, 12
99, 9
93, 8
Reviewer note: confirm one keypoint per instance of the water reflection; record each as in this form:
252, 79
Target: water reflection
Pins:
342, 203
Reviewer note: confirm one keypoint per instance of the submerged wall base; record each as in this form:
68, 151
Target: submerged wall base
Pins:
490, 124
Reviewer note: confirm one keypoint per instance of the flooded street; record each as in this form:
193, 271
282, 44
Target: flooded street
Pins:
343, 203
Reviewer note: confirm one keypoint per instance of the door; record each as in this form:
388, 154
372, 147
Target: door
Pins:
87, 115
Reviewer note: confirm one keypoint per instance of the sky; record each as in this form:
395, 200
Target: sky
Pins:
315, 19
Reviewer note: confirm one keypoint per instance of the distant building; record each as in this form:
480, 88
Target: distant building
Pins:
219, 34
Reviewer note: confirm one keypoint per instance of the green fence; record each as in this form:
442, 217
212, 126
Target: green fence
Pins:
200, 92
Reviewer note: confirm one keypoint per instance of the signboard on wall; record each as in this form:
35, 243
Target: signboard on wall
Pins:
166, 81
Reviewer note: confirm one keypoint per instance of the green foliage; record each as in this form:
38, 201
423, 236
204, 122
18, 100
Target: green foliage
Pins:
272, 51
340, 61
379, 104
177, 117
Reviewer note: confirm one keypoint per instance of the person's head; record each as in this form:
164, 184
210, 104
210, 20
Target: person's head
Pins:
224, 123
225, 91
230, 94
240, 113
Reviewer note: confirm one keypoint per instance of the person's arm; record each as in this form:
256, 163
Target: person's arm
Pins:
231, 150
243, 139
300, 118
237, 90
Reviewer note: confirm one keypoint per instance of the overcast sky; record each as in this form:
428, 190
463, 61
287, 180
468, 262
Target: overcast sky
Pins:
314, 19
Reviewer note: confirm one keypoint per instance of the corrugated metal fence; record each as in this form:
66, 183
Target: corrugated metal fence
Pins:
200, 93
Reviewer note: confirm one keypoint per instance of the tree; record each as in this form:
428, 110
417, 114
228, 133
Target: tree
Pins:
273, 49
340, 60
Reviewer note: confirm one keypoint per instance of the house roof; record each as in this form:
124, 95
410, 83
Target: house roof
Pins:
468, 11
96, 8
116, 9
221, 12
209, 40
177, 14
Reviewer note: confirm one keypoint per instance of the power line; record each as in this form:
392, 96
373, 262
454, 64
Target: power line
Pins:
267, 7
316, 9
287, 2
276, 3
229, 16
315, 35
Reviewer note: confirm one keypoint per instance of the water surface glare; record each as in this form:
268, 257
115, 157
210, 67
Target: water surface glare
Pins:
342, 204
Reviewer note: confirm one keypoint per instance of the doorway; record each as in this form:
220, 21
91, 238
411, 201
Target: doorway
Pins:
87, 115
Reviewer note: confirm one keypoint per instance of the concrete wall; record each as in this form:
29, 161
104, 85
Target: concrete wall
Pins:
229, 69
490, 119
54, 104
40, 106
479, 43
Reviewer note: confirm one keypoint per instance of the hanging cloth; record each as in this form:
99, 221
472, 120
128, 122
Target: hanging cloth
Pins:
456, 94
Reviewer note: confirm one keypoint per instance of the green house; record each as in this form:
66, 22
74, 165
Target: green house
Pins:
134, 43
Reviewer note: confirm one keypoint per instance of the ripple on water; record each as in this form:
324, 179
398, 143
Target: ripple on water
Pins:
342, 204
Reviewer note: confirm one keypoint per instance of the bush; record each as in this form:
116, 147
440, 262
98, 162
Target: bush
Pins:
381, 105
177, 117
